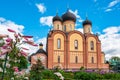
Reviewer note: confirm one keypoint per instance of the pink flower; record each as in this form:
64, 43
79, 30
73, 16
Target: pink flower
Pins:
27, 36
16, 69
3, 35
8, 40
34, 45
19, 54
25, 48
4, 47
23, 53
10, 30
16, 35
3, 52
29, 42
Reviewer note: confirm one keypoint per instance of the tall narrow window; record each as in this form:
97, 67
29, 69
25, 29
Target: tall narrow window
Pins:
92, 45
58, 27
58, 43
76, 59
70, 27
58, 59
76, 44
89, 30
65, 28
92, 60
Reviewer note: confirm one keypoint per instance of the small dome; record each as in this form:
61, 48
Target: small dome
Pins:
57, 18
69, 16
40, 44
87, 22
41, 51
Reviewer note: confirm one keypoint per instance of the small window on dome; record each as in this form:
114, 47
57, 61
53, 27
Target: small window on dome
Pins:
70, 27
64, 27
58, 27
89, 30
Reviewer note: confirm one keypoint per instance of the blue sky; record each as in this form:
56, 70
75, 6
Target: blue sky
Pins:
35, 15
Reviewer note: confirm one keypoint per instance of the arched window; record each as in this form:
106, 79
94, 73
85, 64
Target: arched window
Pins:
89, 30
70, 27
58, 43
76, 44
92, 60
76, 59
58, 59
58, 27
64, 27
92, 45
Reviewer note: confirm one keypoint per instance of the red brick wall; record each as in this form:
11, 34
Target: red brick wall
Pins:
67, 64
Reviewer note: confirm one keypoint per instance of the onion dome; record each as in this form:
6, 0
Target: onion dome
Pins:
68, 16
41, 51
40, 44
57, 18
87, 22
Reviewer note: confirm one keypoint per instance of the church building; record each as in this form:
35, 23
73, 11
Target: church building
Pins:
71, 49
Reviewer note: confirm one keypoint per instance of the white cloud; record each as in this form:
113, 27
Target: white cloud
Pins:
113, 3
77, 15
111, 41
80, 29
107, 10
41, 7
5, 24
46, 21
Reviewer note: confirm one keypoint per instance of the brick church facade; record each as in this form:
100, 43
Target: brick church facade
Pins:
69, 48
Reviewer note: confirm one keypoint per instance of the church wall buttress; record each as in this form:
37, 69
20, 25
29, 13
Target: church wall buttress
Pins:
50, 53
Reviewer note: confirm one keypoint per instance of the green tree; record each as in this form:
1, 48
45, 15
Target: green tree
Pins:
36, 70
115, 63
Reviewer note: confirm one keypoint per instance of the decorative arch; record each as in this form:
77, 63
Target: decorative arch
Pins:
54, 32
92, 43
58, 40
94, 36
76, 38
78, 32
